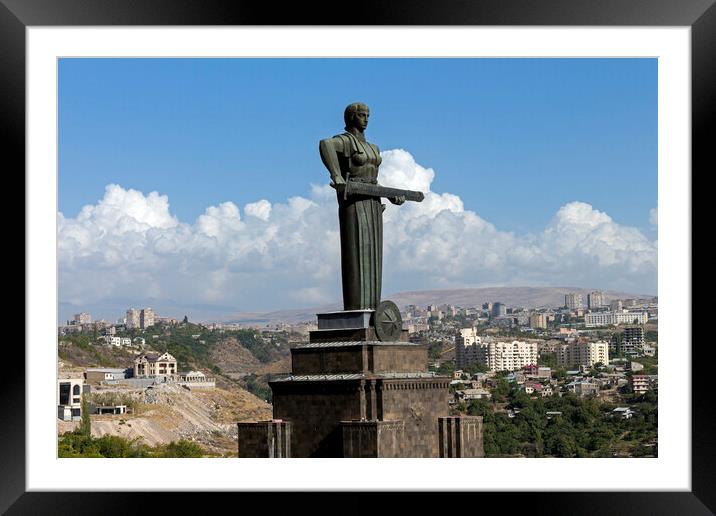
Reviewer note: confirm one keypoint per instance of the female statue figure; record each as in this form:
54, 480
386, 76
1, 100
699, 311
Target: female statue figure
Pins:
349, 157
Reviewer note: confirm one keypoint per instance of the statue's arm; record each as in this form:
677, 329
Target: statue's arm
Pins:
329, 148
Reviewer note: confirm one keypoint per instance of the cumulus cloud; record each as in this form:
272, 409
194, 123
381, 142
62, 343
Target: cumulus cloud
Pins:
129, 245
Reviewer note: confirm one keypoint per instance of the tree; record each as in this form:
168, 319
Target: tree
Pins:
185, 320
85, 428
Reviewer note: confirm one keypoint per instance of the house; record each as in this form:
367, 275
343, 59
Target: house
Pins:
639, 383
583, 388
97, 375
532, 387
196, 380
623, 412
472, 394
69, 398
152, 365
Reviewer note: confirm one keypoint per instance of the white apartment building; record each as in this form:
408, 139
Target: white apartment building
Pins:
583, 353
510, 356
594, 319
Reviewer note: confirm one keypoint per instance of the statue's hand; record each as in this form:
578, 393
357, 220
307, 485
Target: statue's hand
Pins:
397, 200
338, 183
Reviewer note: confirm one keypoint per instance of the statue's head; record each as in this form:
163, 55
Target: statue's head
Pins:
356, 112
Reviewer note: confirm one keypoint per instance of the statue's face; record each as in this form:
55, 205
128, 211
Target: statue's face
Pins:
360, 119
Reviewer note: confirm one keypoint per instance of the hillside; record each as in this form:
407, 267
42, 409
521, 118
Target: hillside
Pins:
168, 412
239, 361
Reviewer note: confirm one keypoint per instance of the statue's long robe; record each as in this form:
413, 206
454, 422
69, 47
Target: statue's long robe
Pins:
361, 228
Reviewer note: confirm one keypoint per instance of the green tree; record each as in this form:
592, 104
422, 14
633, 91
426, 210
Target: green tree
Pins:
85, 427
183, 449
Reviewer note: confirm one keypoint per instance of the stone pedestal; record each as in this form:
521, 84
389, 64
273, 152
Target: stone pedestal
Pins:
347, 326
461, 436
351, 395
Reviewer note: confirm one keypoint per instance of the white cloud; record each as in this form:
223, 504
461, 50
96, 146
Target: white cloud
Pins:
130, 246
654, 216
260, 209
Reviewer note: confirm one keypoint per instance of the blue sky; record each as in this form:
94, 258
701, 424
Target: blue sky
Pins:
515, 138
192, 182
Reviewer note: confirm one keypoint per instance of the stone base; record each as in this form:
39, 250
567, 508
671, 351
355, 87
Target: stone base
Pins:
358, 357
373, 439
265, 439
347, 325
345, 319
461, 436
318, 406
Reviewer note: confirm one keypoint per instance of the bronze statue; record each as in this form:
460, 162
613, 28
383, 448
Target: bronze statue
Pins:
353, 164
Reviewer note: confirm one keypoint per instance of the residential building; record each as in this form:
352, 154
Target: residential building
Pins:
468, 348
82, 318
595, 299
133, 319
98, 375
510, 356
639, 383
69, 398
582, 353
153, 365
146, 318
595, 319
573, 301
538, 320
196, 380
623, 412
472, 394
633, 340
584, 388
498, 309
616, 305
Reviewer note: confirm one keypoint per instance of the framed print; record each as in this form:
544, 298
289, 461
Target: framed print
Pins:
53, 56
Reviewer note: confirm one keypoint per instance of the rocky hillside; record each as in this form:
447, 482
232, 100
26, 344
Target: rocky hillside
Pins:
168, 412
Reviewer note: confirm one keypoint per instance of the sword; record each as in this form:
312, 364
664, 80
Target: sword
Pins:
357, 188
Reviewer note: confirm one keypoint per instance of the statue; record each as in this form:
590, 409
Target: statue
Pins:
353, 165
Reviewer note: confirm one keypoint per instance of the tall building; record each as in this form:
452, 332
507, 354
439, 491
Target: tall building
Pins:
582, 353
82, 318
595, 299
631, 342
133, 318
510, 356
538, 320
487, 306
146, 318
499, 309
468, 348
573, 301
616, 305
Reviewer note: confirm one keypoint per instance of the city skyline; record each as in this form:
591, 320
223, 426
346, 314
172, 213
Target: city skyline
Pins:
156, 203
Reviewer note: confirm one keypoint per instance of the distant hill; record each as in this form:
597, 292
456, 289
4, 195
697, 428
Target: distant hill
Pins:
527, 297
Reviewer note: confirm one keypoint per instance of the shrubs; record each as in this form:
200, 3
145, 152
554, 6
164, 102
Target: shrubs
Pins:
76, 444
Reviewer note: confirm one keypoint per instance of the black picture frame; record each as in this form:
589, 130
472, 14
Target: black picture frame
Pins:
700, 15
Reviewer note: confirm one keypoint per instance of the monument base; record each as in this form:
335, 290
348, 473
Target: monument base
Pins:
265, 439
373, 439
461, 436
